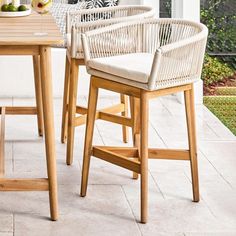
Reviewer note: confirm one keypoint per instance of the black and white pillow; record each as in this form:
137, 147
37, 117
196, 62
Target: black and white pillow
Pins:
90, 4
72, 1
101, 3
111, 3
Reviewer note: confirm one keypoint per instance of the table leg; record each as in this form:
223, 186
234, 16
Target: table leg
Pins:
46, 82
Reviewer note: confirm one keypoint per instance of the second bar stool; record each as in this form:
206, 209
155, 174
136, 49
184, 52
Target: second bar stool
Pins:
79, 22
166, 58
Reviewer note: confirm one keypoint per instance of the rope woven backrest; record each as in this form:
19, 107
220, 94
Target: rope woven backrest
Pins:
79, 22
177, 46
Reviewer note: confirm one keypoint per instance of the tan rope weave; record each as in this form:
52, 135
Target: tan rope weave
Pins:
79, 22
179, 42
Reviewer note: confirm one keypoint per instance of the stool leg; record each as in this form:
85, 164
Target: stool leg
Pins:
74, 69
190, 117
125, 129
135, 116
64, 122
38, 93
144, 155
92, 105
2, 141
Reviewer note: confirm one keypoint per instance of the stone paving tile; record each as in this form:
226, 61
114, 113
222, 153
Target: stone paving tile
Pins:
103, 211
223, 233
6, 234
6, 220
112, 204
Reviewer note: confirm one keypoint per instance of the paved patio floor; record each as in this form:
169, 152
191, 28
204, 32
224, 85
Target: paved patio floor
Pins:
112, 203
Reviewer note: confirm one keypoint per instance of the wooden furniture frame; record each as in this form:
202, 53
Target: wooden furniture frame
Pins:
79, 22
17, 38
174, 52
70, 120
136, 158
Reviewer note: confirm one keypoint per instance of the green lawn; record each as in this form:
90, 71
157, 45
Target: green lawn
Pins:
224, 107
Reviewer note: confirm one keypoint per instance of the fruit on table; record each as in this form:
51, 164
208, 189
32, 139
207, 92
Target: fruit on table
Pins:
11, 8
4, 7
22, 8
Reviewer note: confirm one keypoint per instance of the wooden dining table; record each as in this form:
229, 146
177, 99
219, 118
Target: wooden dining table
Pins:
17, 38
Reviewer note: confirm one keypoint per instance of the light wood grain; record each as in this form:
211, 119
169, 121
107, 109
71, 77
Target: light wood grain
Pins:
116, 159
24, 184
64, 122
2, 140
17, 38
136, 157
92, 105
125, 113
46, 82
190, 117
38, 93
20, 31
135, 116
21, 110
144, 111
169, 154
73, 88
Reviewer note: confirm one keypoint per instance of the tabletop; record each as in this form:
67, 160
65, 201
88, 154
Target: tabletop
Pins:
20, 30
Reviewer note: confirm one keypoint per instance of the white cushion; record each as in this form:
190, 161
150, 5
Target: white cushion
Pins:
134, 66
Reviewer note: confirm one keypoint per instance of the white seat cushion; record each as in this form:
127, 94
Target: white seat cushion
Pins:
134, 66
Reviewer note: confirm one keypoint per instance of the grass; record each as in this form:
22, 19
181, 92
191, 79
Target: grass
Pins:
230, 91
224, 107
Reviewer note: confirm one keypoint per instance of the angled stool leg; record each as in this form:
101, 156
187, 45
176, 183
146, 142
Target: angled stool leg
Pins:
190, 117
38, 93
64, 122
125, 129
74, 69
135, 116
144, 155
92, 105
2, 141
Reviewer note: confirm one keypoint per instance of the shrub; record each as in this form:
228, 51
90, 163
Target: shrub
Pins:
215, 70
220, 18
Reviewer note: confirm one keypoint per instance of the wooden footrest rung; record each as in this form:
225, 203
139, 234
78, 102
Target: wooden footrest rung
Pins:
169, 154
122, 161
153, 153
131, 152
2, 140
36, 184
107, 114
21, 110
81, 110
115, 118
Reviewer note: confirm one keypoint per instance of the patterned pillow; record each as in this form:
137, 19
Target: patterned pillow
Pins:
101, 3
72, 1
111, 3
90, 4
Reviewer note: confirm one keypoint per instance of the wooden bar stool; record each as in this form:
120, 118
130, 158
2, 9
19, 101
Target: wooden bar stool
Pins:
79, 22
167, 58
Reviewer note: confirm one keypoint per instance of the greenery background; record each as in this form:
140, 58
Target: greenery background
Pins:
220, 60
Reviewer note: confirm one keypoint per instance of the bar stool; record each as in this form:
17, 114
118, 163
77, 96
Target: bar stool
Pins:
166, 58
79, 22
